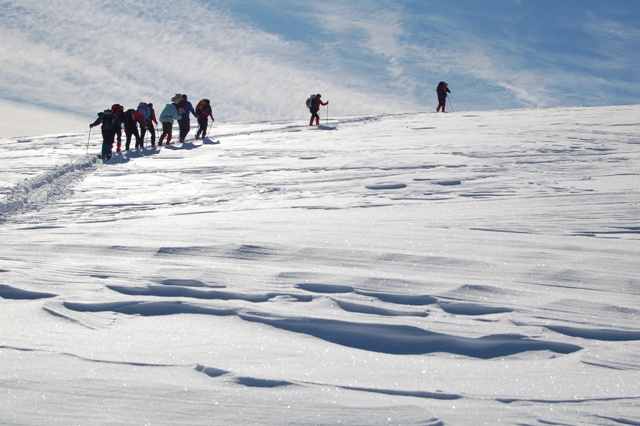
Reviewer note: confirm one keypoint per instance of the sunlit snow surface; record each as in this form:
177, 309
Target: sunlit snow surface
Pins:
429, 269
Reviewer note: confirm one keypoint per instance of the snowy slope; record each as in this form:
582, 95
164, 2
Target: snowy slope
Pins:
463, 268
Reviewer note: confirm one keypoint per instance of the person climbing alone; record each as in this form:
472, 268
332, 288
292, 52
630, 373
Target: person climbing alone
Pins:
204, 112
316, 101
110, 123
442, 91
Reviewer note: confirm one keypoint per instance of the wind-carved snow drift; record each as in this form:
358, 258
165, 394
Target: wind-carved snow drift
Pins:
406, 269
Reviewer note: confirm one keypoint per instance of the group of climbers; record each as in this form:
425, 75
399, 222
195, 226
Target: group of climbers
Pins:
180, 109
113, 120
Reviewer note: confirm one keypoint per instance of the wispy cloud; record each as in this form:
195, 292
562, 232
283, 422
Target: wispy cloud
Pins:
260, 60
86, 55
413, 47
376, 30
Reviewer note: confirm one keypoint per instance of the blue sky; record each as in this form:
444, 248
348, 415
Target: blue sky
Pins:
260, 59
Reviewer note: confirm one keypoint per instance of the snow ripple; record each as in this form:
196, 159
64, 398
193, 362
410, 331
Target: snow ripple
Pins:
47, 188
163, 291
409, 340
609, 335
373, 337
8, 292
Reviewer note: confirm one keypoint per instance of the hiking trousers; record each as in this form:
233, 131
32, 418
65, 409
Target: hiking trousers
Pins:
185, 126
148, 127
167, 129
132, 131
203, 122
314, 115
107, 143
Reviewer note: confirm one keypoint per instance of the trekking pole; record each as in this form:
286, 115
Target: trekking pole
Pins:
327, 113
88, 139
450, 105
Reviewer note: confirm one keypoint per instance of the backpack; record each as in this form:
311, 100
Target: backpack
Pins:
117, 109
131, 116
108, 120
311, 101
200, 107
142, 111
182, 106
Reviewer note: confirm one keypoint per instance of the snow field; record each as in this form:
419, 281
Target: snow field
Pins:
463, 268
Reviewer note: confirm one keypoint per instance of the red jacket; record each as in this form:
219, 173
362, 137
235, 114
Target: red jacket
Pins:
316, 104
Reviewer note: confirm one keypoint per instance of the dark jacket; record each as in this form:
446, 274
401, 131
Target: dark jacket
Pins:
205, 111
111, 125
130, 121
442, 90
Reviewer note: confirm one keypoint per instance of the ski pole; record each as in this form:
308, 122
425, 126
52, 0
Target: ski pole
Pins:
327, 113
88, 139
450, 105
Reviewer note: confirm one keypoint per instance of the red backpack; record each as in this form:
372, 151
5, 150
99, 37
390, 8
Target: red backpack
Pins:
117, 109
200, 108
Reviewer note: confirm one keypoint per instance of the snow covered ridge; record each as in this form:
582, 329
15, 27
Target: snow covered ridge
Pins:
463, 268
